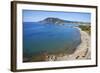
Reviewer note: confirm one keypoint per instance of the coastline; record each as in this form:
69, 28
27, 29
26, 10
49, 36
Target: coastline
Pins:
82, 52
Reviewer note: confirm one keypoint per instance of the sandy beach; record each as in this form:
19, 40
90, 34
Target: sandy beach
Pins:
82, 52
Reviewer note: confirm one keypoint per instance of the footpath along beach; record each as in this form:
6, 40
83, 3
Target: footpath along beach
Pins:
82, 52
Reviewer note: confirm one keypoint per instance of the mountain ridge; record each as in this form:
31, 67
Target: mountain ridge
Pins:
53, 20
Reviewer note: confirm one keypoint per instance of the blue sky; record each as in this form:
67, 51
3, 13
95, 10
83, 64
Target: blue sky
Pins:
34, 16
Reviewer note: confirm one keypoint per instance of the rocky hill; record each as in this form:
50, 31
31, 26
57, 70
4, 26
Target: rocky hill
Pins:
52, 20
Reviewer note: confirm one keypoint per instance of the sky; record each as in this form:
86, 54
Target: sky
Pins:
35, 16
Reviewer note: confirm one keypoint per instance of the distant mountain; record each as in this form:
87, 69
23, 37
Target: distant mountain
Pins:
52, 20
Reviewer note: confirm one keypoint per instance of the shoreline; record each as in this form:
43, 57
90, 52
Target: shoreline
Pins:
82, 51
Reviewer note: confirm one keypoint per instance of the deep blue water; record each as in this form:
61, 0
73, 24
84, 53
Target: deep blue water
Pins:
51, 38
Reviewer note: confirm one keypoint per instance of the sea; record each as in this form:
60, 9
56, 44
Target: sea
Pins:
50, 38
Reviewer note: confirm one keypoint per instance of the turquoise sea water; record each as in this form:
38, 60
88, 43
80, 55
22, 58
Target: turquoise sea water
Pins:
49, 38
